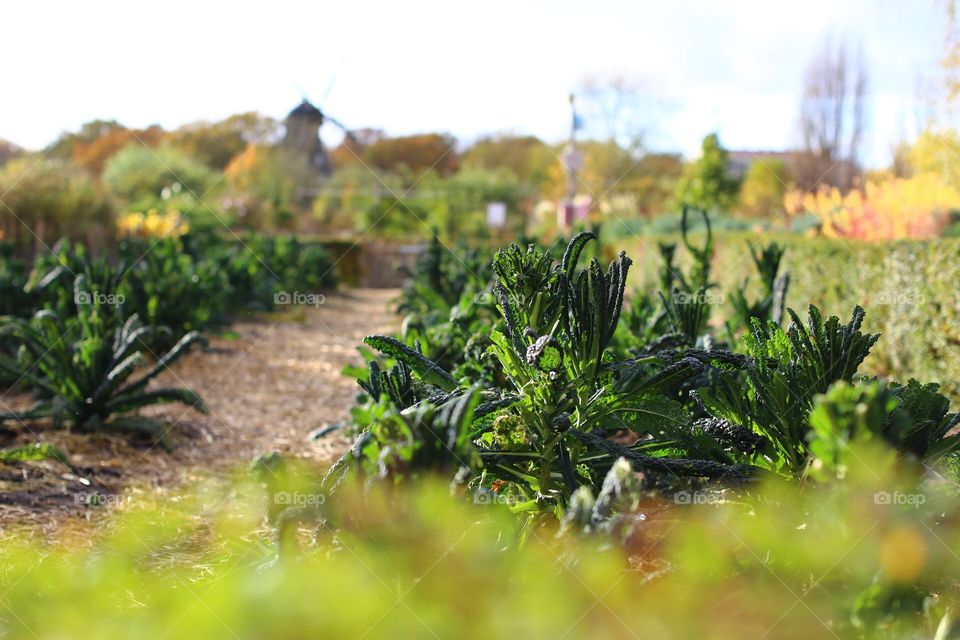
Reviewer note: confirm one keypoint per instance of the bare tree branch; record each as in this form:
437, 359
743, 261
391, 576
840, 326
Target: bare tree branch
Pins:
832, 113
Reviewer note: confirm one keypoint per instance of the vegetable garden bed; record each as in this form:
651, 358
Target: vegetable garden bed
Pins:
267, 383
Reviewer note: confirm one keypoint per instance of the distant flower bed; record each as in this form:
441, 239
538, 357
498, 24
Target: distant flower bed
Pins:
170, 224
916, 207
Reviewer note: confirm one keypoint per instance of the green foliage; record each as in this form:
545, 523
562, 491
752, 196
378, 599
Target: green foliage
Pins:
46, 199
80, 367
428, 370
769, 305
52, 280
167, 287
706, 183
913, 419
216, 143
568, 379
680, 311
34, 452
449, 308
14, 274
785, 371
138, 175
261, 267
763, 189
425, 439
924, 412
201, 562
571, 446
403, 206
561, 393
908, 289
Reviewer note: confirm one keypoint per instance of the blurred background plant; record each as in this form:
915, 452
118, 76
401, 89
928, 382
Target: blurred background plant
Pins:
48, 198
920, 206
870, 558
152, 224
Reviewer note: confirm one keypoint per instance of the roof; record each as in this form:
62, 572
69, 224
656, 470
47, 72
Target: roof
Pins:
741, 159
307, 111
749, 156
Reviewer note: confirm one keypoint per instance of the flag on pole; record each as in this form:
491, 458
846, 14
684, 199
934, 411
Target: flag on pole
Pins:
577, 121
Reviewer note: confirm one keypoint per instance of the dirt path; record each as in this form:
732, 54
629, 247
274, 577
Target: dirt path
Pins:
268, 382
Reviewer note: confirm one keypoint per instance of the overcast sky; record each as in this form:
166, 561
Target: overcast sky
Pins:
732, 66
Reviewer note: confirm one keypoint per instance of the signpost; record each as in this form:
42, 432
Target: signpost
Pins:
568, 209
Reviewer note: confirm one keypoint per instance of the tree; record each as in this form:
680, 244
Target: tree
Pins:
268, 185
47, 198
706, 183
350, 192
416, 154
763, 188
951, 57
93, 154
528, 157
617, 107
216, 144
832, 118
350, 151
938, 152
63, 146
141, 177
98, 140
8, 151
654, 179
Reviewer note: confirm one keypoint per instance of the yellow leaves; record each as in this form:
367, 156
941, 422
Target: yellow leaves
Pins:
903, 553
153, 224
889, 209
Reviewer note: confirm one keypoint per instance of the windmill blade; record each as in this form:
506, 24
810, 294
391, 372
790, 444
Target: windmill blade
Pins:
326, 93
341, 126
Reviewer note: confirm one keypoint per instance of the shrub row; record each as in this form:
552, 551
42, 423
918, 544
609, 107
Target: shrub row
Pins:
909, 289
75, 328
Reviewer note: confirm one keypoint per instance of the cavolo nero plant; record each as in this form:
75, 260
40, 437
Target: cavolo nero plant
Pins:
80, 367
545, 434
166, 286
449, 309
574, 394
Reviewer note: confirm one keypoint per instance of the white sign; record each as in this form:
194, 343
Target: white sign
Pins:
496, 215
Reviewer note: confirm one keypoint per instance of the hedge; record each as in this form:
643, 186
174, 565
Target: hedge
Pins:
909, 289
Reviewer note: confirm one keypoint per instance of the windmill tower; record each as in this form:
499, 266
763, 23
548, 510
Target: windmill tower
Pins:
302, 138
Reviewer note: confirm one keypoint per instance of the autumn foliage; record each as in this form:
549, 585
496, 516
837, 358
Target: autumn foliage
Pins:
892, 209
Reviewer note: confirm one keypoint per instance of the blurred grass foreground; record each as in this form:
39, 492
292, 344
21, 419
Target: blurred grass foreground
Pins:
873, 556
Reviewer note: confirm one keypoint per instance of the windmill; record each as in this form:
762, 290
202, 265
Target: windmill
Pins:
302, 135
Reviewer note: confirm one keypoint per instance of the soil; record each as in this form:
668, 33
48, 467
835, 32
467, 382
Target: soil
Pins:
268, 381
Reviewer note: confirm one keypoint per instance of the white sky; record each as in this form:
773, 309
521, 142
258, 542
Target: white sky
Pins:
734, 66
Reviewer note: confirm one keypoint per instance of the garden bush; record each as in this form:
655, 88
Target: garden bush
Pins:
908, 288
